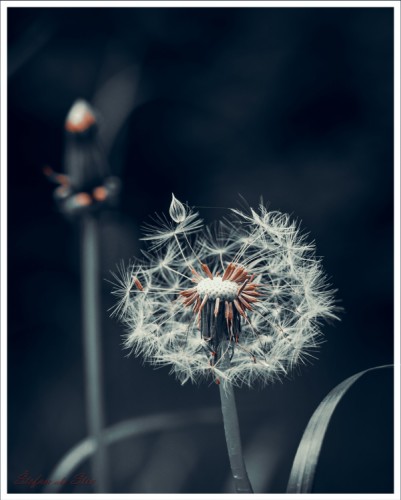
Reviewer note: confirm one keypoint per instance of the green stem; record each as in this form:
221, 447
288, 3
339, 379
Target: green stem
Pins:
232, 431
92, 350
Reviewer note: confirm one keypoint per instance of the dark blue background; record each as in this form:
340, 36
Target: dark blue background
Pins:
292, 104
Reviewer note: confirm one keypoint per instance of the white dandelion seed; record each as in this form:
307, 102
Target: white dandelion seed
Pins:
251, 287
185, 222
177, 210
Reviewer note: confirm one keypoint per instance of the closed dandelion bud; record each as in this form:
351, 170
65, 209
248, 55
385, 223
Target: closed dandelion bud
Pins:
250, 290
86, 184
84, 160
177, 210
80, 118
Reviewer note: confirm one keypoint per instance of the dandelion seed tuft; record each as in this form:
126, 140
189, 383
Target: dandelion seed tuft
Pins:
177, 210
250, 286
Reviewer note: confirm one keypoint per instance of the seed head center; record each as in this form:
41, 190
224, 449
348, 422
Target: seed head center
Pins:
217, 288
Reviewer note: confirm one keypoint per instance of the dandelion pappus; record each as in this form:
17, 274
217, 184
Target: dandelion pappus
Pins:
251, 287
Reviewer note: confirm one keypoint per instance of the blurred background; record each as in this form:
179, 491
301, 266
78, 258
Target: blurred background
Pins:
292, 104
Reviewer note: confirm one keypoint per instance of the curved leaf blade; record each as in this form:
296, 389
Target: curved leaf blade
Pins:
137, 426
307, 456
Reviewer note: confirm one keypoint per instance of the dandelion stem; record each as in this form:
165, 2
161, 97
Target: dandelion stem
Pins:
231, 430
92, 351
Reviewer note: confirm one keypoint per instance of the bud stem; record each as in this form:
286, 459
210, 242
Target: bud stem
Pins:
92, 351
231, 428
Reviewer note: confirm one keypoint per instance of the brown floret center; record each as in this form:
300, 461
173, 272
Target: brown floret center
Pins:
247, 291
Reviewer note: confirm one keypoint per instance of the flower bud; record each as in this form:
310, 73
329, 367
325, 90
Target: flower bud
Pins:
177, 210
85, 162
80, 117
86, 184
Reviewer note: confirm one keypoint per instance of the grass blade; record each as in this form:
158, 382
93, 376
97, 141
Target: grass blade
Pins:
138, 426
307, 456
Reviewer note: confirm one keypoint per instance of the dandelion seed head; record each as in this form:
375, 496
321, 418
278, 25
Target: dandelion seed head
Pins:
251, 287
